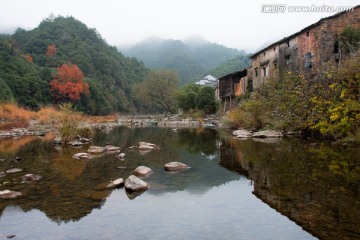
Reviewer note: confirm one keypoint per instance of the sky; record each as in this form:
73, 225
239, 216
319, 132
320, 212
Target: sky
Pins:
247, 25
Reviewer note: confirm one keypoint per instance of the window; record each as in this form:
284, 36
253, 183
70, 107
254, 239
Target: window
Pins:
275, 65
288, 43
307, 34
265, 71
288, 58
256, 72
308, 64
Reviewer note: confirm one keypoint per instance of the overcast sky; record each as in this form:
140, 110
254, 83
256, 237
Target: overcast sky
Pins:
233, 23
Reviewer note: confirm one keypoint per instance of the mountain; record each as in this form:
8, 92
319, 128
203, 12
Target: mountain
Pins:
232, 65
191, 58
27, 71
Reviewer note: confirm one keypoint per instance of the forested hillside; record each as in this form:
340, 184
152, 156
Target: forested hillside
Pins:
190, 60
30, 59
232, 65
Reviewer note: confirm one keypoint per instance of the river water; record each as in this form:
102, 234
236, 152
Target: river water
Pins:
235, 189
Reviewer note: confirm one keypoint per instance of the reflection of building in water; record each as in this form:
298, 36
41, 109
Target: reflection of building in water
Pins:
318, 201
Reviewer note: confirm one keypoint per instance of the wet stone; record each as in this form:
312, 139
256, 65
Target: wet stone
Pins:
14, 170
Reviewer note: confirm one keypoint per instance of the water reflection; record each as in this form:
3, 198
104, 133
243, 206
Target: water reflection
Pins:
70, 189
313, 184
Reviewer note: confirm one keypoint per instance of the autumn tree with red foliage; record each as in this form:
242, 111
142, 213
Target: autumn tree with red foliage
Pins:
29, 58
51, 50
68, 84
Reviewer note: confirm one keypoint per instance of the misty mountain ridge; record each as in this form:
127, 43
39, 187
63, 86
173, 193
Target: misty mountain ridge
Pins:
190, 58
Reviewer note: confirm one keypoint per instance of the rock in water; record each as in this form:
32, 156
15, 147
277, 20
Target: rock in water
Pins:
268, 134
134, 183
175, 166
242, 133
116, 183
146, 146
121, 156
75, 143
14, 170
110, 148
81, 156
7, 194
96, 150
30, 178
142, 171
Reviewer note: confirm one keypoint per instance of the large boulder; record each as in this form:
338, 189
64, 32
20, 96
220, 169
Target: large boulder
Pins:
268, 134
142, 171
115, 184
175, 166
96, 150
242, 133
134, 183
7, 194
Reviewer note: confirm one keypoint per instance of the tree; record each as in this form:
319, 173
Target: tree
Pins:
51, 50
186, 96
158, 88
68, 84
205, 100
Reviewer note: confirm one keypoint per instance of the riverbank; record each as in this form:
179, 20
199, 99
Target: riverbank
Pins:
38, 128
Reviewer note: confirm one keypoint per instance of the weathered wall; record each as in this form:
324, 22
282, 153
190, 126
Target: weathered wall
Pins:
307, 52
263, 66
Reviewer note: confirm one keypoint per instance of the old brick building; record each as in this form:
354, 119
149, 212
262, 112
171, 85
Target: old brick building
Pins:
305, 52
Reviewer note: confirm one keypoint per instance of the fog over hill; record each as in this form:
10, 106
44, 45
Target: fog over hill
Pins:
191, 58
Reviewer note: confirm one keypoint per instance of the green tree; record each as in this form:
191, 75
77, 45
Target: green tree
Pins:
5, 92
159, 89
187, 95
205, 100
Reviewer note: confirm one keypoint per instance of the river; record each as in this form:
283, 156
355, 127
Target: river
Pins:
235, 189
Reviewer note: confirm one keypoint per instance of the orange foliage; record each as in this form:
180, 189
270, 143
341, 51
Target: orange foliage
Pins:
68, 83
51, 51
29, 58
13, 116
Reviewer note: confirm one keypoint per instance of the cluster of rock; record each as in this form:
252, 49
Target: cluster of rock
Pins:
97, 151
18, 132
172, 121
76, 143
135, 185
260, 134
27, 178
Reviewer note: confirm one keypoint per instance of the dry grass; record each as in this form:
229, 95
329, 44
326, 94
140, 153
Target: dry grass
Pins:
12, 116
49, 115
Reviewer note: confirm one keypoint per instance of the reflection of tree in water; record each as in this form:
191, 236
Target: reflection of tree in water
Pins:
198, 140
70, 189
314, 184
